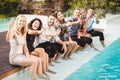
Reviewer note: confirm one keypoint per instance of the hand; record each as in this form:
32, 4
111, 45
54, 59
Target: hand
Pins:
96, 19
69, 24
11, 23
42, 30
79, 21
78, 37
88, 16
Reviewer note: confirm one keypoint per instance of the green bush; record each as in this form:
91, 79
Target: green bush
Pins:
100, 13
2, 16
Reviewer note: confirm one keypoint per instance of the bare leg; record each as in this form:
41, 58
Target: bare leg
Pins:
69, 48
42, 55
102, 43
85, 46
53, 72
47, 60
39, 67
58, 55
32, 62
92, 46
50, 61
74, 48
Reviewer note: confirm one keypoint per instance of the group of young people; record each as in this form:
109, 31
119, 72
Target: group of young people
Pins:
37, 46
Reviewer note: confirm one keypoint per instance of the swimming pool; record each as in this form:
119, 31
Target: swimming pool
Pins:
4, 24
104, 66
66, 68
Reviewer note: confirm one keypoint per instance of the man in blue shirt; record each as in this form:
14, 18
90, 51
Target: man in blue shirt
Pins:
73, 30
89, 29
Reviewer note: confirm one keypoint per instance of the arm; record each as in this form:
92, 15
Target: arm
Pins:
79, 21
57, 32
74, 23
36, 32
10, 30
85, 25
10, 34
70, 38
26, 51
63, 45
96, 20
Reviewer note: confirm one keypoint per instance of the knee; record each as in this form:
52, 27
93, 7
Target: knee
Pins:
34, 62
39, 60
70, 45
46, 55
39, 50
75, 43
42, 50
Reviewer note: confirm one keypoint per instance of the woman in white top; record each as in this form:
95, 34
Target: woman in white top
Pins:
19, 54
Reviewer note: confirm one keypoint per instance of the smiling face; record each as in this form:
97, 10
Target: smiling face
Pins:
91, 12
21, 22
76, 13
51, 20
35, 25
60, 16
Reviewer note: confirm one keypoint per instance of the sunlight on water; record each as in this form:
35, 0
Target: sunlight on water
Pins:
104, 66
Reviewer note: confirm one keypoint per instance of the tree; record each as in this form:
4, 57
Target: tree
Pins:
9, 7
101, 6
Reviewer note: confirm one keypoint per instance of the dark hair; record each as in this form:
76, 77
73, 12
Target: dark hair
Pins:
31, 22
62, 21
91, 8
53, 14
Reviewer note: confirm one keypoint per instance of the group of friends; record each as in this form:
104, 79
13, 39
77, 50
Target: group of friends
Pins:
38, 46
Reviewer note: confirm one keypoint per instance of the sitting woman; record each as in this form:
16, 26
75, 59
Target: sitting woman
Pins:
19, 54
34, 29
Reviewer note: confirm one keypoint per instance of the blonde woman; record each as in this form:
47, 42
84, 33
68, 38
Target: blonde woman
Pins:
19, 54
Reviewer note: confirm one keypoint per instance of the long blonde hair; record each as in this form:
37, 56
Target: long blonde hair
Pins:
11, 33
24, 29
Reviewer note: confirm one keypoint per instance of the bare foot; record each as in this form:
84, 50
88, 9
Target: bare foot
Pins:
46, 74
55, 61
32, 79
64, 58
50, 71
44, 78
70, 58
51, 64
97, 49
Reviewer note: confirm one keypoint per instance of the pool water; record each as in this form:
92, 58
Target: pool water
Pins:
104, 66
4, 23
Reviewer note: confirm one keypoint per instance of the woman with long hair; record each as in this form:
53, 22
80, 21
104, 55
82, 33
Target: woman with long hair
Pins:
34, 29
19, 54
